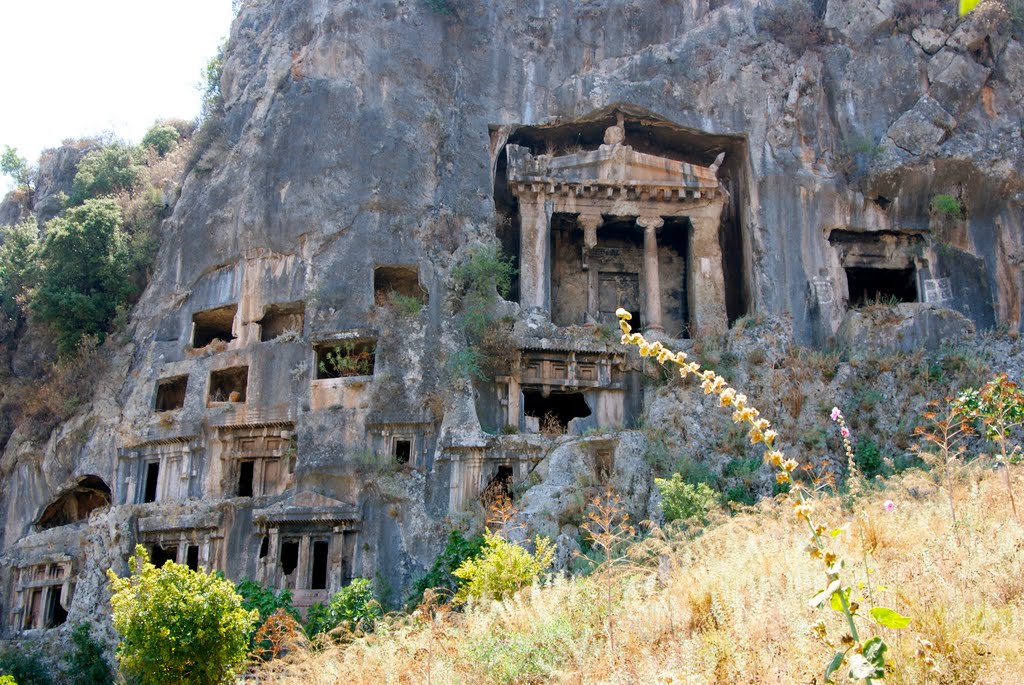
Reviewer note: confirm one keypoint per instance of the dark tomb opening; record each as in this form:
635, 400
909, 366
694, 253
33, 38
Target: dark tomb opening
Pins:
192, 557
318, 578
498, 488
161, 555
264, 547
213, 324
56, 615
870, 285
279, 319
389, 281
152, 478
403, 451
245, 475
229, 385
90, 494
556, 410
289, 556
170, 393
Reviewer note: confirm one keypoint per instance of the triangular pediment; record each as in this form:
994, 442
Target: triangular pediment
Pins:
307, 506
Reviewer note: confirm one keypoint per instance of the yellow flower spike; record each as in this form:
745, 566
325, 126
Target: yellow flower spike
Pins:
664, 356
755, 436
708, 375
790, 465
769, 437
773, 457
741, 401
645, 349
624, 327
727, 397
707, 385
684, 371
626, 339
623, 314
782, 477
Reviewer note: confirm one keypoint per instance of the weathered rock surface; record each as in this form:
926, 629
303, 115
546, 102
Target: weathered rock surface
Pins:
361, 135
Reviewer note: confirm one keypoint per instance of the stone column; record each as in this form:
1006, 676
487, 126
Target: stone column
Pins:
534, 252
652, 279
590, 223
706, 278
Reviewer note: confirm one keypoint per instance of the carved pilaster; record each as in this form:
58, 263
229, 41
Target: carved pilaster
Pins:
652, 278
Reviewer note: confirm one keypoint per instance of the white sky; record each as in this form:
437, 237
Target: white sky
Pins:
73, 68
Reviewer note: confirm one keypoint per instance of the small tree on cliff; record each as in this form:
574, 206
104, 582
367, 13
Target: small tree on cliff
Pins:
178, 625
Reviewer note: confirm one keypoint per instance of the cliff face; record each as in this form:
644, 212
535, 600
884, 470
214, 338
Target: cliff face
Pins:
364, 151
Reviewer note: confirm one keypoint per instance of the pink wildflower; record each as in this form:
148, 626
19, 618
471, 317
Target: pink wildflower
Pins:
836, 413
889, 505
844, 431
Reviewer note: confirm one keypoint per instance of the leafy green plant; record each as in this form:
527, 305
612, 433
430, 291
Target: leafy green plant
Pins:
25, 665
682, 501
441, 7
212, 100
346, 359
353, 607
265, 601
109, 170
948, 206
405, 306
19, 269
82, 273
87, 664
465, 363
162, 138
178, 625
15, 166
7, 680
441, 576
868, 457
502, 568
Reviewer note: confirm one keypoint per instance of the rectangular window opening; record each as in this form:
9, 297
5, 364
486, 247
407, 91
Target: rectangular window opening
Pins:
344, 359
279, 319
229, 385
192, 557
213, 324
869, 285
318, 577
170, 393
152, 478
403, 451
245, 476
289, 556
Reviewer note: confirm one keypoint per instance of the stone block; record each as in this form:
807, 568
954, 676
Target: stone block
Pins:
931, 40
955, 80
923, 127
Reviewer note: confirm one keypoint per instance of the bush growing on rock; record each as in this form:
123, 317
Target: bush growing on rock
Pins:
502, 569
87, 664
353, 607
109, 170
178, 625
163, 138
686, 501
83, 279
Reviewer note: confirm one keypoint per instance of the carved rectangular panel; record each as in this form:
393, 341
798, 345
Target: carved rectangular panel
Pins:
617, 289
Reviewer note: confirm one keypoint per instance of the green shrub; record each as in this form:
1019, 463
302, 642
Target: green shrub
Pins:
19, 246
682, 501
741, 493
83, 278
465, 363
265, 601
948, 206
212, 101
352, 607
87, 664
109, 170
502, 568
178, 625
405, 306
482, 276
25, 665
868, 457
441, 576
7, 680
16, 167
162, 138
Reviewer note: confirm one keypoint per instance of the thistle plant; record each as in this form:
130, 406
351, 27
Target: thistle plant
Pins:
999, 406
865, 658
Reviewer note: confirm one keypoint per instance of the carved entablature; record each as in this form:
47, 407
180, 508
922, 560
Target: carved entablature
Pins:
407, 442
192, 539
257, 460
612, 173
551, 369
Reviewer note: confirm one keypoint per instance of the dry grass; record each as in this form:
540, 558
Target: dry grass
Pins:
730, 606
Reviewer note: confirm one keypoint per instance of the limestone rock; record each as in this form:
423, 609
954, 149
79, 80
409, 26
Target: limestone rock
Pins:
922, 128
955, 80
931, 40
